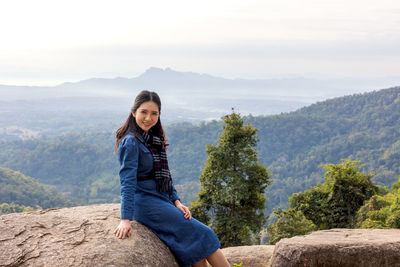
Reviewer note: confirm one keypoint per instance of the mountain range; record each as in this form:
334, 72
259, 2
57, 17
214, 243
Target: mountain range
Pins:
34, 111
202, 92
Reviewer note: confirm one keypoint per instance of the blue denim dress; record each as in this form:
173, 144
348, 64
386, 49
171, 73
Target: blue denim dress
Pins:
189, 240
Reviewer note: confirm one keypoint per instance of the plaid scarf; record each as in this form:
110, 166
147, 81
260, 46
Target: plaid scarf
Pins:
160, 167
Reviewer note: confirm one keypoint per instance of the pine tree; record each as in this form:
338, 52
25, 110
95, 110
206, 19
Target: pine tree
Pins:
232, 195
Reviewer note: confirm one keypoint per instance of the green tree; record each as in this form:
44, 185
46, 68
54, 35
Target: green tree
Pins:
288, 223
334, 203
232, 195
6, 208
381, 211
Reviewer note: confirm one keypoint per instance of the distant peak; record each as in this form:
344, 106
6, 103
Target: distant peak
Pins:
169, 73
151, 69
154, 72
158, 70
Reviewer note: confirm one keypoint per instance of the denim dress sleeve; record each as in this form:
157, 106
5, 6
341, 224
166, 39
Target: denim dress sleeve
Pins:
128, 152
174, 195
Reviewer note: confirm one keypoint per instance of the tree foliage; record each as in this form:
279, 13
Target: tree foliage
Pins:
381, 211
6, 208
18, 189
232, 195
288, 223
334, 203
362, 127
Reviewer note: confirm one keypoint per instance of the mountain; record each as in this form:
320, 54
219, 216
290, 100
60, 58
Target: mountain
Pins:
203, 94
105, 103
100, 103
363, 127
167, 81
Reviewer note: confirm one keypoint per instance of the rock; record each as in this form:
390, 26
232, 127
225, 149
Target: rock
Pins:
83, 236
340, 247
78, 236
254, 256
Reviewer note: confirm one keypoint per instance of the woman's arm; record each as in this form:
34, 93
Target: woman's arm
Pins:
129, 159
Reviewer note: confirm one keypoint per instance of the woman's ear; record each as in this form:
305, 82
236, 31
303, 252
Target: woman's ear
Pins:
133, 114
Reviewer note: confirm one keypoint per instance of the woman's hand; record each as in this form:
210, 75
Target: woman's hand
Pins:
185, 210
124, 229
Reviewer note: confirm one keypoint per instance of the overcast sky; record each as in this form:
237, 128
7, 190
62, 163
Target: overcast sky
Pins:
48, 42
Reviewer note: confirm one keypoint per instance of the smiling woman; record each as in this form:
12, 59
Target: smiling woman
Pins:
148, 194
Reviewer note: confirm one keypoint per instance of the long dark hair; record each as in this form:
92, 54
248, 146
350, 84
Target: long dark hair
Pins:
130, 124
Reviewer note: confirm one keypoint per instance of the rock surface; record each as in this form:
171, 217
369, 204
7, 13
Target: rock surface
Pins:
78, 236
254, 256
83, 236
340, 247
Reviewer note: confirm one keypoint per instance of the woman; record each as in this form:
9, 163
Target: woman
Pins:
148, 194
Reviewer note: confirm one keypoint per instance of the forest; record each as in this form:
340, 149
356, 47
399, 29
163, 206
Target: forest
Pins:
82, 167
20, 193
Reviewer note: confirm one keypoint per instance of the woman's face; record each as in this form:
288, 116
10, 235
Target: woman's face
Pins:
146, 115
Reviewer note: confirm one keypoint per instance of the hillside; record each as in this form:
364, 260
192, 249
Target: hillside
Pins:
22, 190
85, 165
362, 127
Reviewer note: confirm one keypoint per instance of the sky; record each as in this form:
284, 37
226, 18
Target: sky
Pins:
48, 42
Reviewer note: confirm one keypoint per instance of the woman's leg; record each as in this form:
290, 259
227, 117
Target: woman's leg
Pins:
217, 259
201, 263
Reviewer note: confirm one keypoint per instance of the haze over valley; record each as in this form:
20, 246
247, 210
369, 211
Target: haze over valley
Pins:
31, 111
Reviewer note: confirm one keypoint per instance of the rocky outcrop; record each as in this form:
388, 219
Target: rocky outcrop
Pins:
340, 247
328, 248
78, 236
83, 236
254, 256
